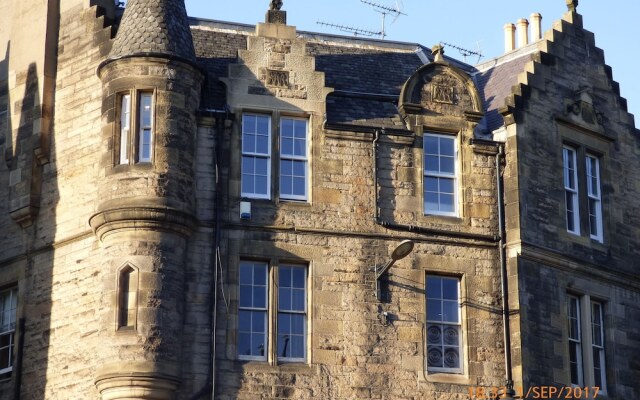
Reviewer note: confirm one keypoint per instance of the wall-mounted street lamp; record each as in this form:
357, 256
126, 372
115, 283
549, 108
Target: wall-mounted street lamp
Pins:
404, 248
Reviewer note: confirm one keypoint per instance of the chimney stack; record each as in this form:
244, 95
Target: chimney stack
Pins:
509, 37
523, 32
536, 26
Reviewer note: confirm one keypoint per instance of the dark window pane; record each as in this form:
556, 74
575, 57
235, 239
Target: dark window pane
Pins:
297, 301
447, 203
286, 127
297, 347
451, 357
263, 125
286, 185
434, 287
447, 147
434, 310
434, 334
261, 184
298, 168
248, 123
244, 321
299, 277
446, 185
431, 201
450, 289
261, 166
257, 344
246, 296
285, 277
430, 184
246, 273
244, 344
300, 148
285, 298
434, 357
260, 297
284, 346
431, 164
248, 165
300, 129
286, 146
431, 145
447, 165
260, 275
258, 321
262, 144
297, 324
299, 187
284, 323
450, 311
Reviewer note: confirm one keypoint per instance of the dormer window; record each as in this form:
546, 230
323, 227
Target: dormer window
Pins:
440, 186
136, 128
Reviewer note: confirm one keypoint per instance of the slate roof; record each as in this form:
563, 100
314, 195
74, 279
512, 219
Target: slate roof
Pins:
367, 75
495, 81
154, 26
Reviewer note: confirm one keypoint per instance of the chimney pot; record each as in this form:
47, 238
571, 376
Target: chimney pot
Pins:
523, 32
509, 37
536, 26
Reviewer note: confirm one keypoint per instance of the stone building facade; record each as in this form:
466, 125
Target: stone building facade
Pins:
195, 209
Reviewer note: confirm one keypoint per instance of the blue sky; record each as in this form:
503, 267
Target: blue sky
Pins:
468, 24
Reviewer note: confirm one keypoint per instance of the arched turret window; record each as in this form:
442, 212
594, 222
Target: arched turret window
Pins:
127, 310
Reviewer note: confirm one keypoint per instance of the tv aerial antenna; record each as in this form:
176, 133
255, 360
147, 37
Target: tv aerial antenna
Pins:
382, 9
349, 29
465, 52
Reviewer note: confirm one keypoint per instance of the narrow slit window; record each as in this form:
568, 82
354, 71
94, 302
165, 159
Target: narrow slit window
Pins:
127, 298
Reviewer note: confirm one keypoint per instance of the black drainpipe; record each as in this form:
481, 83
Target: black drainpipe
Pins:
507, 393
16, 393
210, 386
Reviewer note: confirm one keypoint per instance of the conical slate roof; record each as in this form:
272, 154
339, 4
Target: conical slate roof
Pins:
158, 27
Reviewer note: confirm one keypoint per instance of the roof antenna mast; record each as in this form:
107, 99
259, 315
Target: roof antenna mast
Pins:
384, 10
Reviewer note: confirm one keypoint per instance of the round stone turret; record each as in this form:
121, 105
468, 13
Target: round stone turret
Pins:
145, 211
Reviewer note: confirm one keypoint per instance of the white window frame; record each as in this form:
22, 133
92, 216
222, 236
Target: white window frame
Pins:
264, 309
272, 311
8, 323
573, 306
597, 311
304, 313
460, 369
594, 196
131, 116
569, 155
256, 155
125, 128
440, 175
143, 129
292, 157
587, 308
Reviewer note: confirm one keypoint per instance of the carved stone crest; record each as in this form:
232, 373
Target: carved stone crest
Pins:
278, 78
442, 94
